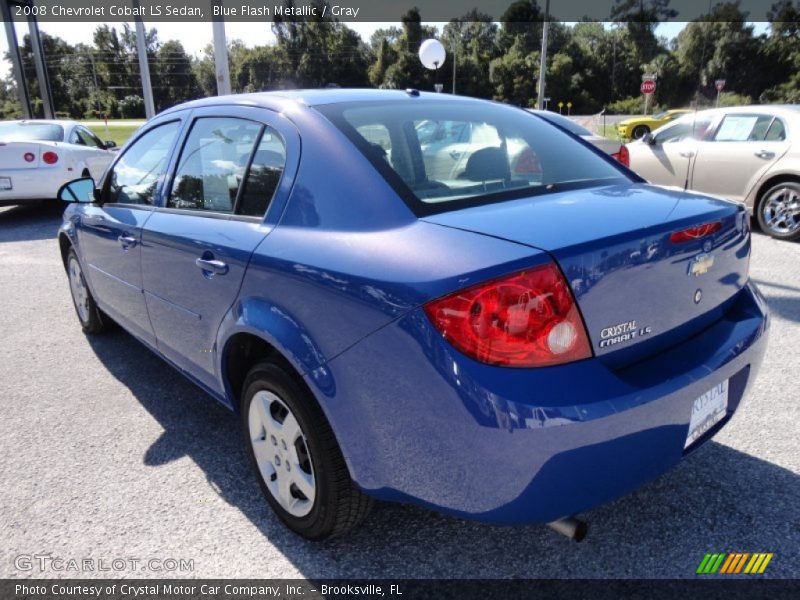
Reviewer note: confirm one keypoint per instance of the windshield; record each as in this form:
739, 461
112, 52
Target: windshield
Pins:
31, 132
661, 115
563, 122
446, 155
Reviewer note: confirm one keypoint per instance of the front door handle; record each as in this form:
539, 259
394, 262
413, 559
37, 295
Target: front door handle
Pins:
687, 154
127, 241
765, 154
212, 267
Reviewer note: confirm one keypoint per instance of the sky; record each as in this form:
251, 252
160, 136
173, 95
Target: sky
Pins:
195, 36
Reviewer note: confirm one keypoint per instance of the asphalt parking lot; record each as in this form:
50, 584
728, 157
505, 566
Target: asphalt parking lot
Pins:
109, 453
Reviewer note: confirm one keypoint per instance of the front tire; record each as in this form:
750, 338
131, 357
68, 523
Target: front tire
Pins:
779, 211
85, 306
639, 131
297, 460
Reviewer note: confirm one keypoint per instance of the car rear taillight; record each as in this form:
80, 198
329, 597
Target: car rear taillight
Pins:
528, 319
623, 156
695, 233
50, 158
29, 156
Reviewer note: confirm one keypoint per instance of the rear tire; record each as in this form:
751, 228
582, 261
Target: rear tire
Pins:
639, 131
778, 211
83, 301
297, 460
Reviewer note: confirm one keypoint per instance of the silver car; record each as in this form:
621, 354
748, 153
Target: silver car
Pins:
750, 154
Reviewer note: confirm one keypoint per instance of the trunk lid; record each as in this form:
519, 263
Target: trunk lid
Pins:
638, 291
12, 154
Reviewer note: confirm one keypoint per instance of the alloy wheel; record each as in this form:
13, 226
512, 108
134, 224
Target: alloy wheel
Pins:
780, 211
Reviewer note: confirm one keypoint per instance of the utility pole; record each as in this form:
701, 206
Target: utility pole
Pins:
221, 56
543, 56
144, 67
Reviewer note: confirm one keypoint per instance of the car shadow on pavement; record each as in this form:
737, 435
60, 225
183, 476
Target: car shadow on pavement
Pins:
783, 300
30, 222
718, 500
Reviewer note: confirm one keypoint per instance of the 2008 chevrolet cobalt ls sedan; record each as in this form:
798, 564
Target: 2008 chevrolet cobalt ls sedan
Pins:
516, 336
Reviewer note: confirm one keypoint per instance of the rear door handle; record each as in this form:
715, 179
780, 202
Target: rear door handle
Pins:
127, 241
765, 154
214, 267
688, 154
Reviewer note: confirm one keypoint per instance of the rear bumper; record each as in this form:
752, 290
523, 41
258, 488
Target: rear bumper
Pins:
34, 184
419, 422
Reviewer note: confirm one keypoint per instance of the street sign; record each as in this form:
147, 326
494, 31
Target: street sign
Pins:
720, 83
648, 86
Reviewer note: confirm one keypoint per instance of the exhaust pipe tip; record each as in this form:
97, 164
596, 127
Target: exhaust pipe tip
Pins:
572, 527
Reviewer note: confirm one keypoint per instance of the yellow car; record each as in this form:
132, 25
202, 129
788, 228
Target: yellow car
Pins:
636, 127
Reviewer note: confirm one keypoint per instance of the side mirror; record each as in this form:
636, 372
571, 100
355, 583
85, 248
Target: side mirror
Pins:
649, 139
110, 144
79, 190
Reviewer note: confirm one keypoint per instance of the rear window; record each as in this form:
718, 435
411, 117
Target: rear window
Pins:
31, 132
446, 155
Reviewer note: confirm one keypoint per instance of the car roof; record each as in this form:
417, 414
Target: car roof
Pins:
317, 97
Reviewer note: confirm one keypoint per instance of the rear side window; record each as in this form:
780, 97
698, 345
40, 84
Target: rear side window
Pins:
212, 164
743, 128
443, 155
264, 176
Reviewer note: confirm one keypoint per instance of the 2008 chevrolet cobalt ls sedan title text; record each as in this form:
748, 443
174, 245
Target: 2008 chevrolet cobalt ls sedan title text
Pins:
527, 334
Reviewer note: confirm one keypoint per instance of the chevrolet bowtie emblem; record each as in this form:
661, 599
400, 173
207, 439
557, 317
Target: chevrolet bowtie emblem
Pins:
700, 264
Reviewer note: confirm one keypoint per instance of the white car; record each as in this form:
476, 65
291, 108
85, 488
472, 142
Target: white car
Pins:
605, 144
750, 154
37, 157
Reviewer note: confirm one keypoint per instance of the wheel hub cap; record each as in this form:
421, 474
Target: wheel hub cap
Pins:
80, 295
281, 453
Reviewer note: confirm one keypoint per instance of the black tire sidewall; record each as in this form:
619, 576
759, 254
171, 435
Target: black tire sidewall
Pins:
318, 523
760, 212
643, 128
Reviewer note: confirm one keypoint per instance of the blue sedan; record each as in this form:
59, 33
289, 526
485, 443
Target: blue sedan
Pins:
421, 298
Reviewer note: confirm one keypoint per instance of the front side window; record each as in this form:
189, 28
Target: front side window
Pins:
87, 138
213, 163
689, 127
134, 177
450, 154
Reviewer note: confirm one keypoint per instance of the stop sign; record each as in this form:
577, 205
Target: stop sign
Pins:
648, 86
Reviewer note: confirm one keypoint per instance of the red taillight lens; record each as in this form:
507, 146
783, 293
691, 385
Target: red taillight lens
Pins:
623, 156
528, 319
29, 156
695, 233
50, 158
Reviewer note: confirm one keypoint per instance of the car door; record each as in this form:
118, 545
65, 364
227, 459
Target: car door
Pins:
667, 158
196, 247
109, 233
744, 146
95, 154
